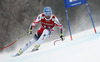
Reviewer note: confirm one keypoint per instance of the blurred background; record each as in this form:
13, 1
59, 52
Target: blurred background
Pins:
17, 15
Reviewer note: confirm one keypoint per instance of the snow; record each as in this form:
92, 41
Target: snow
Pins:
85, 47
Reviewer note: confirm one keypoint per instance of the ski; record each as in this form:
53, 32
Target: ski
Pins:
34, 50
15, 55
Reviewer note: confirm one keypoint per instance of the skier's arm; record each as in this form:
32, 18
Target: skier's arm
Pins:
60, 27
58, 24
37, 20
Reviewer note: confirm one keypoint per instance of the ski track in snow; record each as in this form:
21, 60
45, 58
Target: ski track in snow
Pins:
85, 47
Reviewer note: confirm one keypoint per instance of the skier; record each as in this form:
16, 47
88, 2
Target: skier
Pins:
48, 21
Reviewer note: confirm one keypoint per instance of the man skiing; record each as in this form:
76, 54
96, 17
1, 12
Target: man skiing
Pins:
48, 21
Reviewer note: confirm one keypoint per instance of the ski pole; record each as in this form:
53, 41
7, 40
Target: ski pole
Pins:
59, 40
14, 41
22, 35
56, 41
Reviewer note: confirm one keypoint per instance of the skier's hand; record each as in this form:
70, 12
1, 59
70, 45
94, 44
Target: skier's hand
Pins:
29, 32
62, 37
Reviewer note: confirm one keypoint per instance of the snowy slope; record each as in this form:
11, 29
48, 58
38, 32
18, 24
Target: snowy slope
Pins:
85, 47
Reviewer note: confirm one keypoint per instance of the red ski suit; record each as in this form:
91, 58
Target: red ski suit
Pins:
47, 27
46, 23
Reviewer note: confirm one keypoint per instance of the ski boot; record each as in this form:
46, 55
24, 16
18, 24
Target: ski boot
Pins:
19, 52
36, 47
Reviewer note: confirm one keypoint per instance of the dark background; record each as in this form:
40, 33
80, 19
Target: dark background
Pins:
17, 15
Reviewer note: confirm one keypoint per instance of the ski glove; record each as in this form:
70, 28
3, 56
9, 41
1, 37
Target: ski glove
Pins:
30, 32
61, 36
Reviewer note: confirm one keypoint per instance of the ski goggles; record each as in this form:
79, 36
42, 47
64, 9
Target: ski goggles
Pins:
47, 13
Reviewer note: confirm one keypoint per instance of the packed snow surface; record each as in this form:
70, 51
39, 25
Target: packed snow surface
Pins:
85, 47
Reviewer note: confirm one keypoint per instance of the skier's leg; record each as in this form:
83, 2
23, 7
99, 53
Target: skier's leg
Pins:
27, 45
41, 39
44, 35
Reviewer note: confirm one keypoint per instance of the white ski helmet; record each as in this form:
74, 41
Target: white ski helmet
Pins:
47, 10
